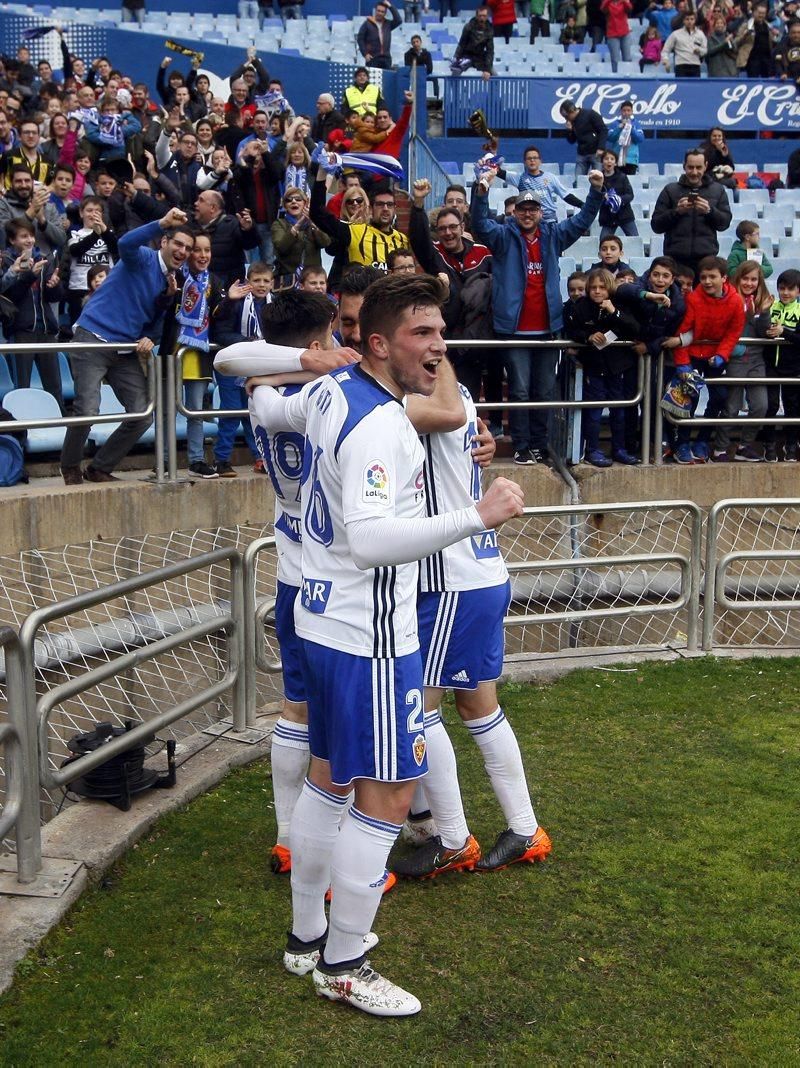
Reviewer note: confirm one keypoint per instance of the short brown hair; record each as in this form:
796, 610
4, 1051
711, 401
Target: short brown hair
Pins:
387, 299
600, 274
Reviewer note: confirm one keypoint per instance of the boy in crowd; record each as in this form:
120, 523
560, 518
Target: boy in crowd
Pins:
238, 318
313, 280
783, 361
708, 335
685, 277
548, 187
610, 252
747, 247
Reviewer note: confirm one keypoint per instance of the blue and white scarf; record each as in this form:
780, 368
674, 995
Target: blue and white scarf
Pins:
111, 132
192, 316
250, 323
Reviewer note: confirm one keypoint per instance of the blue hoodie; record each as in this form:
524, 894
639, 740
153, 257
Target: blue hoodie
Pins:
510, 263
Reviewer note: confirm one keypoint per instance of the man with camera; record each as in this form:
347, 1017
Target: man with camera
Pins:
691, 213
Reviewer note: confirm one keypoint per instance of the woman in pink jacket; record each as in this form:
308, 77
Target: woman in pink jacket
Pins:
617, 29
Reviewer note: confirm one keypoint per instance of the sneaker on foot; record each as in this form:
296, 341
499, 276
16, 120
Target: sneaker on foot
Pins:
511, 848
701, 452
365, 989
417, 830
203, 469
622, 456
433, 859
790, 453
94, 474
748, 454
683, 454
597, 458
73, 476
281, 860
720, 456
770, 453
540, 456
524, 456
300, 958
225, 469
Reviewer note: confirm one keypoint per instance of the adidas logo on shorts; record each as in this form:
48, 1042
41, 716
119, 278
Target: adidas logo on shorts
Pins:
461, 676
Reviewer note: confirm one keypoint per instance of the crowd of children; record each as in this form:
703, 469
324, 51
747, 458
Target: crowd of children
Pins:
698, 328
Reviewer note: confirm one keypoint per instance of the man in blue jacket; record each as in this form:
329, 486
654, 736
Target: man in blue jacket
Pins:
526, 301
128, 306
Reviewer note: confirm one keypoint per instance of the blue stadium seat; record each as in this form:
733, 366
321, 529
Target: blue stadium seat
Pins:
789, 248
110, 405
6, 381
37, 404
788, 198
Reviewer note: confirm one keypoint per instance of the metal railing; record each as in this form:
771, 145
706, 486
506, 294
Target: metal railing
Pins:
256, 615
717, 383
718, 564
30, 715
689, 565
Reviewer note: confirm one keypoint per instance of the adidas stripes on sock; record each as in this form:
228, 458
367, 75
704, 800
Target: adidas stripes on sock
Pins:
503, 761
313, 835
358, 868
289, 758
441, 784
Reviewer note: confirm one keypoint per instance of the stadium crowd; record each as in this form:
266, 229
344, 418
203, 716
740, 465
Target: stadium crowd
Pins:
239, 197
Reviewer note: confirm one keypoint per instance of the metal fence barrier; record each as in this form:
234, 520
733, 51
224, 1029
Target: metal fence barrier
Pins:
28, 715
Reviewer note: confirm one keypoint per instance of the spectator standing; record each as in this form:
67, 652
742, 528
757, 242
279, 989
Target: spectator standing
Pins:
475, 46
327, 119
132, 11
128, 307
746, 248
595, 22
784, 362
181, 167
721, 54
618, 30
504, 18
691, 213
661, 17
689, 45
23, 200
708, 336
650, 48
526, 301
369, 243
754, 42
587, 131
787, 55
616, 212
624, 137
374, 37
547, 187
93, 243
295, 238
539, 19
231, 235
27, 154
362, 96
609, 370
31, 282
748, 282
424, 60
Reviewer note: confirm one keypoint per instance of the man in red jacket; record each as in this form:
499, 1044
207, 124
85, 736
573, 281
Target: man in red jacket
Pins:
708, 336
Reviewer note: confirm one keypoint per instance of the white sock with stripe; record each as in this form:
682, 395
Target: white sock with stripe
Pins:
441, 784
358, 867
419, 802
503, 762
289, 759
313, 835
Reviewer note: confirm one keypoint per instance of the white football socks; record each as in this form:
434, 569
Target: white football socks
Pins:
289, 758
441, 784
358, 869
503, 761
313, 835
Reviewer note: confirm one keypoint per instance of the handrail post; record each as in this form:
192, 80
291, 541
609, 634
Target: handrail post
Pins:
645, 372
22, 773
171, 414
710, 588
157, 369
237, 655
658, 422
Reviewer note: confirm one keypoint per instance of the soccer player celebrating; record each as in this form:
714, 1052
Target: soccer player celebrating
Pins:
363, 530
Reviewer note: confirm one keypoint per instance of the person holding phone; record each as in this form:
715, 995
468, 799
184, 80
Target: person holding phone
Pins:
691, 212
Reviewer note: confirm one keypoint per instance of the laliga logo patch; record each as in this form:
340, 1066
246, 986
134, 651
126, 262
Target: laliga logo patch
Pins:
376, 483
418, 747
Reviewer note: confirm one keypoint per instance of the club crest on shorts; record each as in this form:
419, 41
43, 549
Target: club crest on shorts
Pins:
418, 747
375, 486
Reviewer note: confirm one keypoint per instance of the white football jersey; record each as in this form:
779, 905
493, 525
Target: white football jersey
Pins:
363, 460
282, 453
453, 481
